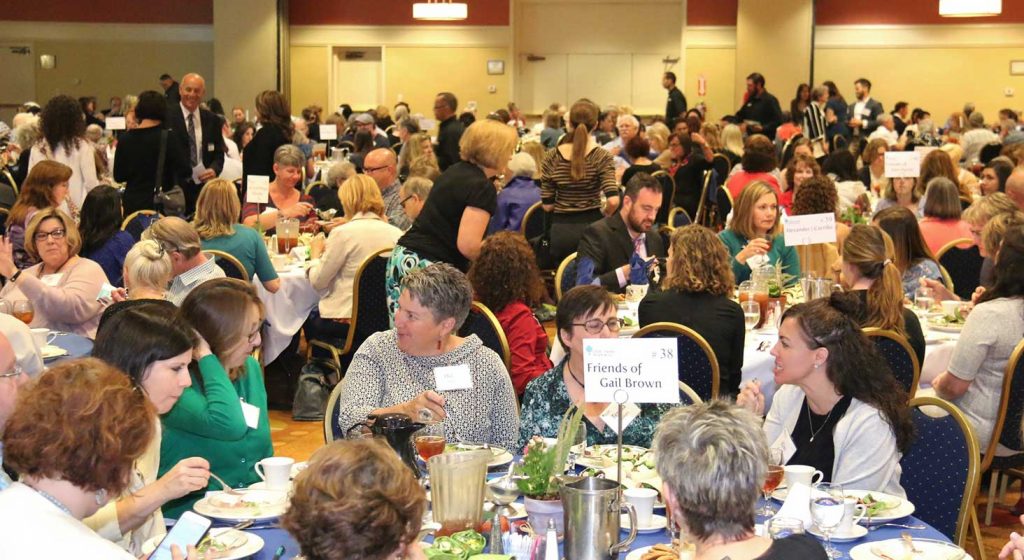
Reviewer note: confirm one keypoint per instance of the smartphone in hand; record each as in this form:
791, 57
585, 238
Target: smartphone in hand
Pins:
189, 530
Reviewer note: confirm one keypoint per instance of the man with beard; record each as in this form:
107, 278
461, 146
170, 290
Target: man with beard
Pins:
610, 244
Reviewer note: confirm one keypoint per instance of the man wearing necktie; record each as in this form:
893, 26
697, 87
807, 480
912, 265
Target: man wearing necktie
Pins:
198, 133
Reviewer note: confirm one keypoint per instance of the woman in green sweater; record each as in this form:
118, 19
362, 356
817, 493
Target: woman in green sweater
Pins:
754, 234
222, 417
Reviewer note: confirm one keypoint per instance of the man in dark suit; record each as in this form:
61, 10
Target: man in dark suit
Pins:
170, 89
676, 105
449, 130
760, 113
610, 243
865, 111
198, 131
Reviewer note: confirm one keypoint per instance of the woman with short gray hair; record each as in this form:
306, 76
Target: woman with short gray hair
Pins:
284, 200
713, 460
395, 371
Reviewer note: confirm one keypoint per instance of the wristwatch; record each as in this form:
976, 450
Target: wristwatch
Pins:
14, 277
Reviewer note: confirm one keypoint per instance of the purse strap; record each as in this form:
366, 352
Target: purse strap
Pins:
158, 184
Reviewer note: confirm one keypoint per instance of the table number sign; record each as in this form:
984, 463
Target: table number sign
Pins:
257, 190
809, 229
902, 164
645, 369
328, 132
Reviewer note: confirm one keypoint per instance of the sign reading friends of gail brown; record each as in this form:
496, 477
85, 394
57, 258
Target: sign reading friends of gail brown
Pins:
645, 369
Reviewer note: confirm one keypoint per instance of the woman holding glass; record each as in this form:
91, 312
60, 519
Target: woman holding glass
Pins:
754, 238
838, 408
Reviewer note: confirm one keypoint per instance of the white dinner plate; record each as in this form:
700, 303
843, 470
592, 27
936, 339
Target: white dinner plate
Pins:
858, 532
658, 523
893, 548
780, 493
638, 553
904, 509
50, 351
596, 455
499, 455
256, 505
252, 544
945, 328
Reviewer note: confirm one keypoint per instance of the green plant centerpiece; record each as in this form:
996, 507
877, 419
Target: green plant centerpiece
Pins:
543, 464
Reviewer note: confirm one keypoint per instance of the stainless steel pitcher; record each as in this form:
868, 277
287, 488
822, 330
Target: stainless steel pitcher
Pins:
592, 509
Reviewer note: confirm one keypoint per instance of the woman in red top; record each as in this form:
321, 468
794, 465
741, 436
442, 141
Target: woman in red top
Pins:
941, 223
506, 279
284, 200
758, 164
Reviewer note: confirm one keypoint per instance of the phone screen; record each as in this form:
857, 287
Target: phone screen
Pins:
189, 530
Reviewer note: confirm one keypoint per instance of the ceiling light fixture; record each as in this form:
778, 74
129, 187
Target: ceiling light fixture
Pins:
970, 8
440, 10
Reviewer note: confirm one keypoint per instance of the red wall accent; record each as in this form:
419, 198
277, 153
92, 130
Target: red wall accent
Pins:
110, 11
387, 12
906, 12
711, 12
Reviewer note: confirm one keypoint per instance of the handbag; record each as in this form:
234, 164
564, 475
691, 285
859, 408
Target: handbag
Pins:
169, 202
541, 246
316, 381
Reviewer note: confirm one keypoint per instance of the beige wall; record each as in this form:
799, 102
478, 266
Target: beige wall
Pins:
774, 38
244, 49
308, 80
106, 69
419, 73
718, 65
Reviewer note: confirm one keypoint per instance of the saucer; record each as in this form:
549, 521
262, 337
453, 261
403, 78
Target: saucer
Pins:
658, 523
858, 532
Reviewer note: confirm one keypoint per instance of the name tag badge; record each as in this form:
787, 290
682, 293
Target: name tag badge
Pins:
453, 378
785, 443
251, 414
209, 147
52, 280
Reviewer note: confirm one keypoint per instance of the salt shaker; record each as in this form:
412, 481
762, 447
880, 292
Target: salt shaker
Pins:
551, 542
496, 545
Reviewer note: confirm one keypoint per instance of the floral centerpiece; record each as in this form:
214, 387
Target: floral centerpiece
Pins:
541, 468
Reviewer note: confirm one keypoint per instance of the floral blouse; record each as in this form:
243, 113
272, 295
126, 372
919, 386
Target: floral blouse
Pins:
923, 268
546, 399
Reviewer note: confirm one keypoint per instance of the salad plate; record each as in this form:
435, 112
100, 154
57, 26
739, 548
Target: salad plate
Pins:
881, 507
253, 505
499, 455
223, 543
895, 548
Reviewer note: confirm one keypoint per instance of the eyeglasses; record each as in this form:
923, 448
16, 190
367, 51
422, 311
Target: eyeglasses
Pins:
404, 200
594, 326
17, 371
258, 330
374, 169
57, 234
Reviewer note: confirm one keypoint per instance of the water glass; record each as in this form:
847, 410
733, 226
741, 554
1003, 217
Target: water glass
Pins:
828, 506
808, 282
5, 307
751, 314
578, 448
924, 299
782, 527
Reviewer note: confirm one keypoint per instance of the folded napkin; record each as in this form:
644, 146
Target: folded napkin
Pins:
300, 253
638, 270
585, 272
798, 505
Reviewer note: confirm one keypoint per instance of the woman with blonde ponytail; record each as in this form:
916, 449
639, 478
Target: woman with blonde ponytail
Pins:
573, 177
868, 269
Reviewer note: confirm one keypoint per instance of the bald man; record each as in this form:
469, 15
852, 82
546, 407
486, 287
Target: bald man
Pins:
382, 165
197, 132
11, 377
1015, 186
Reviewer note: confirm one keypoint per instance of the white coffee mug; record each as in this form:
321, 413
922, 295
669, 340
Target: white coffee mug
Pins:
852, 513
802, 474
42, 336
275, 471
950, 307
643, 500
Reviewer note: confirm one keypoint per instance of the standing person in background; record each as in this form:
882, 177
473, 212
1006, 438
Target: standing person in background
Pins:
835, 114
676, 106
800, 102
138, 151
760, 112
63, 140
197, 132
274, 114
816, 124
865, 111
449, 130
171, 89
899, 116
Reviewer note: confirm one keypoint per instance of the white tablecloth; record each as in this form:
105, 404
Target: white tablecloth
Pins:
287, 310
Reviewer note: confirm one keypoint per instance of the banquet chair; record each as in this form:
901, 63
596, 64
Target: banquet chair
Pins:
533, 222
138, 221
232, 267
347, 144
1006, 431
397, 148
565, 277
4, 214
941, 471
369, 310
962, 260
698, 366
482, 322
899, 355
9, 179
677, 217
668, 195
687, 395
313, 185
332, 430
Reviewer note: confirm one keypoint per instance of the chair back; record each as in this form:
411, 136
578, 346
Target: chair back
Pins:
9, 179
721, 164
1007, 429
940, 470
369, 300
397, 148
565, 276
332, 430
668, 195
677, 217
533, 222
962, 260
698, 366
899, 355
687, 395
137, 222
313, 185
232, 267
482, 322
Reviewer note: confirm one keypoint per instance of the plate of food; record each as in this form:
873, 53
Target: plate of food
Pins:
915, 549
223, 543
604, 456
656, 552
881, 508
249, 504
499, 455
947, 323
50, 351
637, 467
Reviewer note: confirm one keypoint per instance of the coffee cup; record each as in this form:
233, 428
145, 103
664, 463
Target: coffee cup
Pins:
643, 501
950, 307
853, 512
802, 474
42, 336
276, 472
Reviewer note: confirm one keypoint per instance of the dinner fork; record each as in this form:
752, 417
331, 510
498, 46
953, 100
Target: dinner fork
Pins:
227, 487
914, 527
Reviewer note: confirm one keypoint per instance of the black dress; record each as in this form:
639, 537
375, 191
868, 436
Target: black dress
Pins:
258, 156
135, 165
803, 546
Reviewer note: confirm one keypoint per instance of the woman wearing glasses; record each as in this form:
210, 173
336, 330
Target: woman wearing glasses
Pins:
63, 287
584, 312
222, 416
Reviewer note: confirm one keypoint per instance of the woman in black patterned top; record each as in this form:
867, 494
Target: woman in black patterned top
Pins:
397, 370
573, 177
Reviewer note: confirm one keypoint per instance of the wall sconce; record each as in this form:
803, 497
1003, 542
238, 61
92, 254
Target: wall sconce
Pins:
47, 61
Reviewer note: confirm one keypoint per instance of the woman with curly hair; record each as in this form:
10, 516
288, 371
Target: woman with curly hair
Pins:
506, 279
817, 195
799, 168
834, 384
63, 129
356, 500
695, 293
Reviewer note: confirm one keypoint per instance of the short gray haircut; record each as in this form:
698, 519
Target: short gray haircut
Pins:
419, 186
443, 289
714, 459
339, 172
27, 134
522, 165
289, 155
627, 118
819, 92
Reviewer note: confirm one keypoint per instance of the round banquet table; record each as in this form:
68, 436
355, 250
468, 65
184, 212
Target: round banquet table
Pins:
76, 345
287, 309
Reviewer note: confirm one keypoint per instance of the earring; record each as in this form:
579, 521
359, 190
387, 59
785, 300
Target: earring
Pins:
101, 497
816, 366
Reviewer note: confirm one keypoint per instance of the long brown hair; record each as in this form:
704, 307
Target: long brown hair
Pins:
870, 251
907, 241
936, 164
273, 109
217, 309
743, 211
583, 116
37, 191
